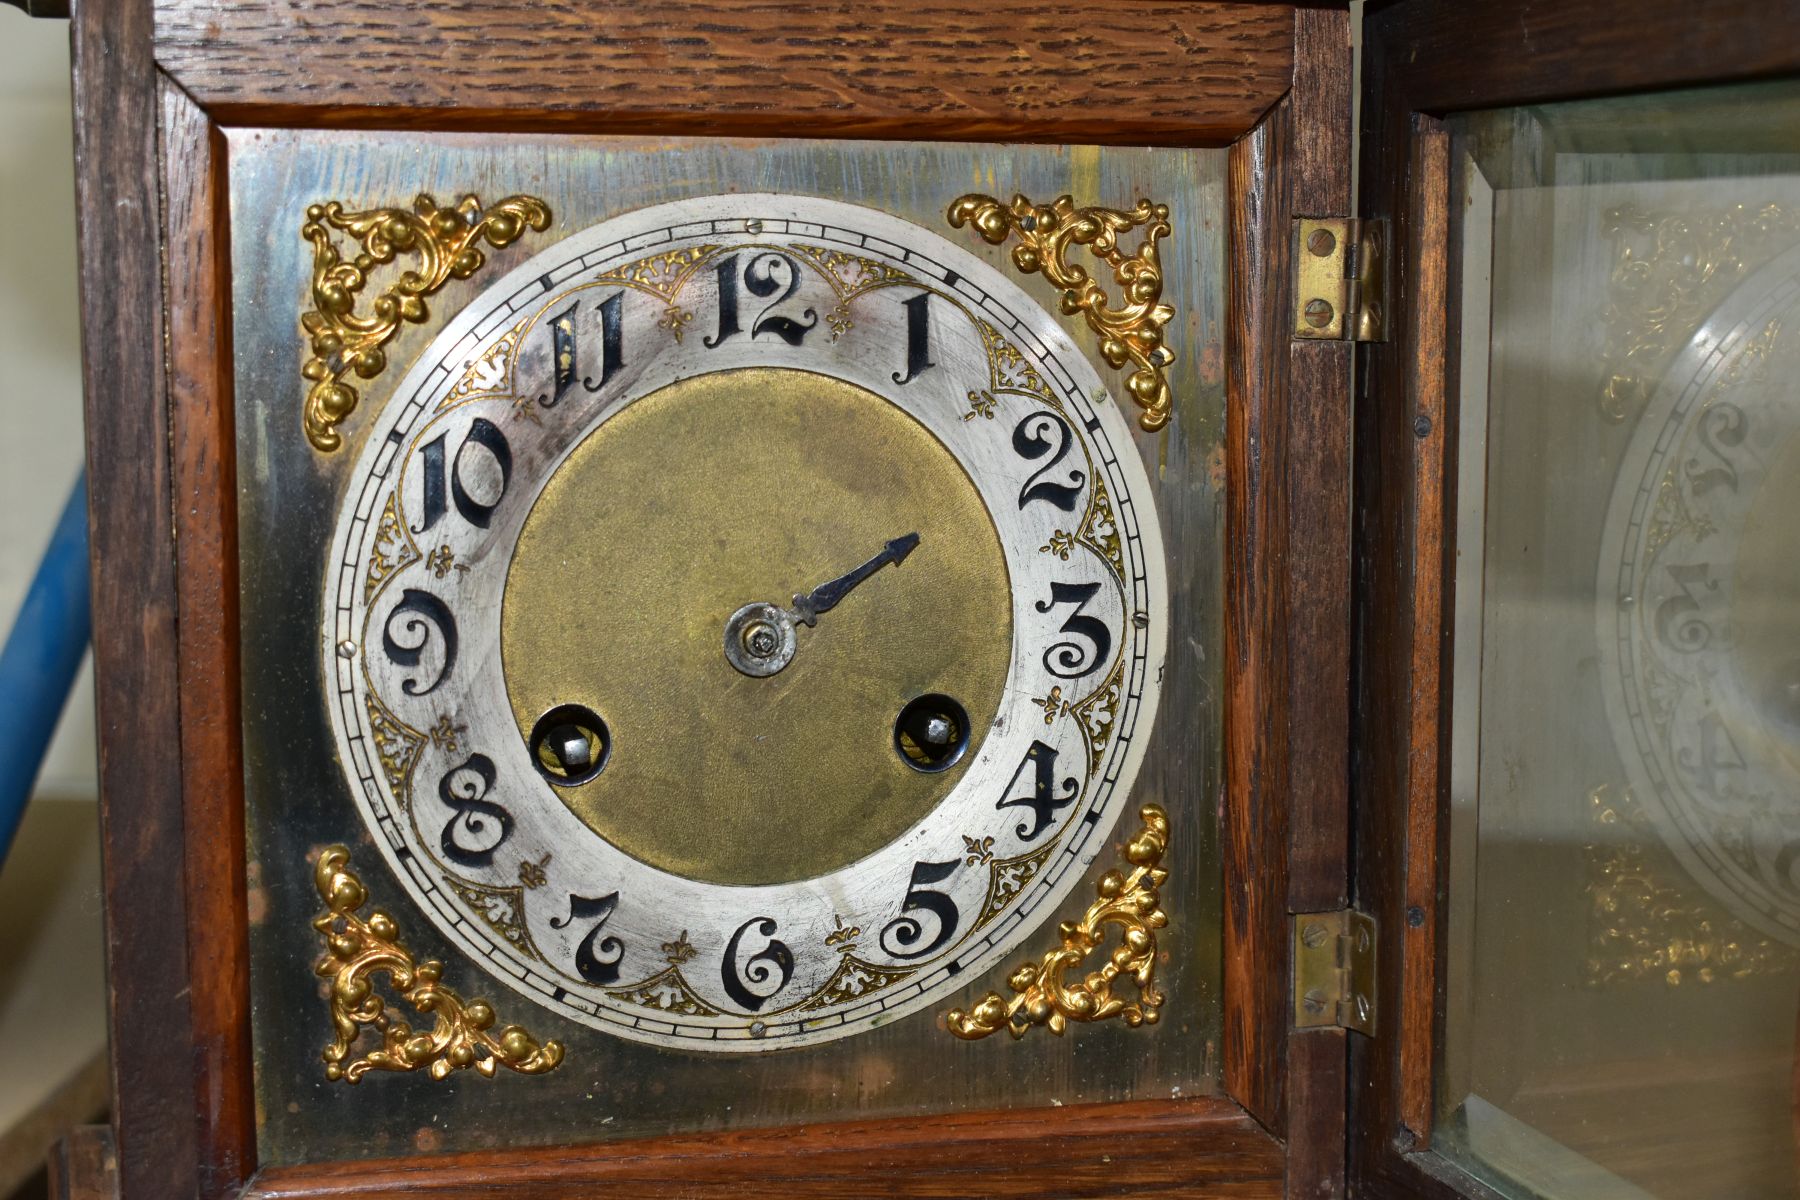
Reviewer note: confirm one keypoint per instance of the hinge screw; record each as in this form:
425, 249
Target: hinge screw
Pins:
1313, 935
1318, 312
1321, 243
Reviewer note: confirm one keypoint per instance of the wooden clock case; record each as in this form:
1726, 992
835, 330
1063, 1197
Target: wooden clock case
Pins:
1310, 572
155, 83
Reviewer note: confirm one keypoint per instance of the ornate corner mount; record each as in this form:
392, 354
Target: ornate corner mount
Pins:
356, 949
446, 242
1130, 333
1045, 997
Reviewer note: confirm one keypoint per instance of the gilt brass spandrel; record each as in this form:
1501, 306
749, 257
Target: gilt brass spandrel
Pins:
344, 342
357, 949
1054, 991
1131, 329
630, 562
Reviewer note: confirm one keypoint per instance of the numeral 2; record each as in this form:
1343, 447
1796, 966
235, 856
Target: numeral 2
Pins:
1722, 429
1030, 442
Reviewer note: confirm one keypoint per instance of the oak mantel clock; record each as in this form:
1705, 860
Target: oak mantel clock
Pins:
727, 599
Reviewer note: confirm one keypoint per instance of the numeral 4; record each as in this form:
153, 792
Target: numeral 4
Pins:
1043, 800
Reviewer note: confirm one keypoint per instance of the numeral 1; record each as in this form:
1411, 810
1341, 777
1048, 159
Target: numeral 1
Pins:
918, 338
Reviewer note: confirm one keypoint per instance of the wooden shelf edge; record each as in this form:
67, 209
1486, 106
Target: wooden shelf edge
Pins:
1207, 1146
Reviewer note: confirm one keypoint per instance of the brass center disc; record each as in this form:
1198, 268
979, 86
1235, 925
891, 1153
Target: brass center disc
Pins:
720, 490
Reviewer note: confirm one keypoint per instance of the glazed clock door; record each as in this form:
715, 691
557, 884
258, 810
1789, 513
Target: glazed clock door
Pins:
1583, 450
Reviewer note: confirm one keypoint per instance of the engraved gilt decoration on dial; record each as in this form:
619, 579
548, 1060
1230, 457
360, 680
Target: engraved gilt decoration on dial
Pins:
706, 667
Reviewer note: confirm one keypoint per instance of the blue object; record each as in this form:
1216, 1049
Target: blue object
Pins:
43, 652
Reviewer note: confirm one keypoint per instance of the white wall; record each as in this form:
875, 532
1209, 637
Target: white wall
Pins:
40, 385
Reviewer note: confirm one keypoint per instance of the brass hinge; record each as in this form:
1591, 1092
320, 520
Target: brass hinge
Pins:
1340, 279
1334, 970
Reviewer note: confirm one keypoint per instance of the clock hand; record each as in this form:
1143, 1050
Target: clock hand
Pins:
759, 637
822, 599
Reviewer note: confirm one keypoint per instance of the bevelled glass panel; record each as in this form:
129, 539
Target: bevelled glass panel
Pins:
1624, 925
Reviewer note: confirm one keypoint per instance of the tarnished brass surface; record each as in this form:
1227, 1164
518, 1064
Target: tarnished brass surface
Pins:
1130, 332
715, 492
446, 242
356, 950
1047, 996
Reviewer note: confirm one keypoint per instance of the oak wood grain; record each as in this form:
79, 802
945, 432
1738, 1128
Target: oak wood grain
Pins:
1453, 55
137, 681
1162, 73
1317, 582
1428, 697
196, 274
1286, 818
1193, 1148
1318, 496
1399, 720
1254, 828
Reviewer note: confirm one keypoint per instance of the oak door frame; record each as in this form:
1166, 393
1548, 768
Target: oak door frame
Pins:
156, 82
1422, 61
